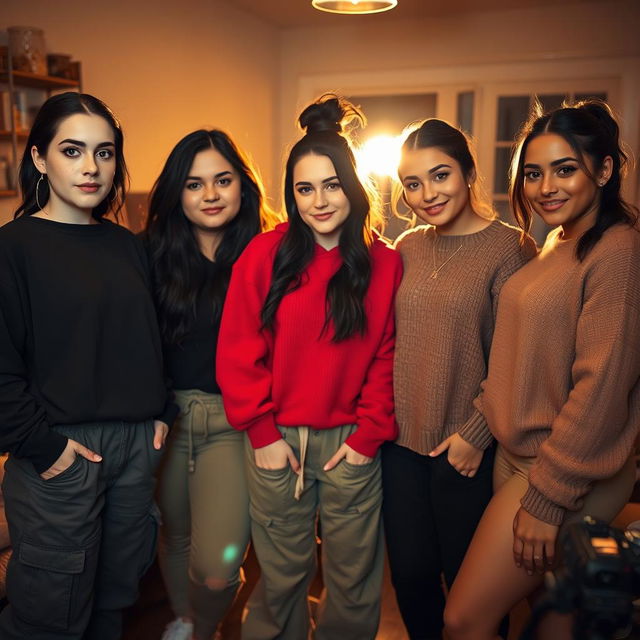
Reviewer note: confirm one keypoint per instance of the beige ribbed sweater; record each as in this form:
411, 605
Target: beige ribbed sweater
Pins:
444, 326
563, 382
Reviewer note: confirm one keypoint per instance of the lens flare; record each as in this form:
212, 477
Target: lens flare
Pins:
230, 553
379, 156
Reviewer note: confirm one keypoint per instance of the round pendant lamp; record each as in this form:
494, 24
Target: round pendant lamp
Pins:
354, 7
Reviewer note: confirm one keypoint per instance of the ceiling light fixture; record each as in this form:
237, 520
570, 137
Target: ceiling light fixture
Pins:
354, 7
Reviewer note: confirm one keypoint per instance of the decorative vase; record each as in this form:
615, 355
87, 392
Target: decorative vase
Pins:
27, 49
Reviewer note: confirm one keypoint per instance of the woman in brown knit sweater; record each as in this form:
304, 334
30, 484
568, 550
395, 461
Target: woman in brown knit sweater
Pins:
436, 478
562, 396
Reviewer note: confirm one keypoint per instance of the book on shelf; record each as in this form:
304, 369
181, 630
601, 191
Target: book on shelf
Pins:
5, 168
5, 110
20, 111
26, 103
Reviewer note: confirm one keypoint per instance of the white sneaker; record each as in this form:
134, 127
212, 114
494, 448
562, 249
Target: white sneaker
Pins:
178, 630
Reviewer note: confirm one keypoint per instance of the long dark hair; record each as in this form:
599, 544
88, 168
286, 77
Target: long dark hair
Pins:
346, 290
452, 141
179, 273
45, 126
590, 128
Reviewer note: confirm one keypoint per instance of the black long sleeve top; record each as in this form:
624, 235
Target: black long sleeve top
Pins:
191, 363
79, 340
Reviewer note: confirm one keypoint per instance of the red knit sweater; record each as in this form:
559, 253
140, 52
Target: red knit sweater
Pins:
295, 375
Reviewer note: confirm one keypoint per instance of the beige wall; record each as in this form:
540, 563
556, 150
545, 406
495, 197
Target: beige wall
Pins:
166, 67
566, 30
392, 53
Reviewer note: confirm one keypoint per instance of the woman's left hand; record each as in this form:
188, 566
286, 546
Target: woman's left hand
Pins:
351, 456
160, 435
534, 542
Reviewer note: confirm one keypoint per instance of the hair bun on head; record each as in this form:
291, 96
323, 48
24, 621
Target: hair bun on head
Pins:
328, 113
601, 111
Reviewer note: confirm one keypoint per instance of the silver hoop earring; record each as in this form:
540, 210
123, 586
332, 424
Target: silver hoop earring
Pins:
40, 179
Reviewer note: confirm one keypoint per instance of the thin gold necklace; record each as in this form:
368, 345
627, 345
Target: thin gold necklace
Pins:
436, 270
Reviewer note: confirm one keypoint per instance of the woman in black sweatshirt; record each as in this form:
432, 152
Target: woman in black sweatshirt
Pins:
205, 207
80, 382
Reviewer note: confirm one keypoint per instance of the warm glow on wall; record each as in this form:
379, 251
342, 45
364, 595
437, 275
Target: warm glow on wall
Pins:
379, 156
354, 6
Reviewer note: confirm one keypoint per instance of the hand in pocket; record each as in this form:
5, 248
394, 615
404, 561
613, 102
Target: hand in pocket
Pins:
462, 455
276, 456
67, 458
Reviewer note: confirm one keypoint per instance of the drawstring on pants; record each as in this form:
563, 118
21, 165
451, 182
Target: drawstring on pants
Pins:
303, 433
188, 416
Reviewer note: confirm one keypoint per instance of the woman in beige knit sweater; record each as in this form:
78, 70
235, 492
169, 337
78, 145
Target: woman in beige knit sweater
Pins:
562, 396
436, 478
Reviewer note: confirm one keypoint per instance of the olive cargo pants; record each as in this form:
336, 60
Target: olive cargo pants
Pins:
348, 500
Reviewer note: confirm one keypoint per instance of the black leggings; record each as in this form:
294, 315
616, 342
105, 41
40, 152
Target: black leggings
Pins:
430, 514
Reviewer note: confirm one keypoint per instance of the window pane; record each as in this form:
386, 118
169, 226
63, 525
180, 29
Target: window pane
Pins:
465, 111
512, 112
552, 101
389, 115
501, 173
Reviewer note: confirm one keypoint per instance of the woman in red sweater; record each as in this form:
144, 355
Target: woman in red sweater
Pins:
305, 361
562, 396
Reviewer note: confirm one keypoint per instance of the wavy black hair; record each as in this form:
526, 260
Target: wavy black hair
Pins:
45, 126
178, 271
590, 128
323, 121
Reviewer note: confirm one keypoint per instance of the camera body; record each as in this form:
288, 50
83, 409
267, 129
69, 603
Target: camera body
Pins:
597, 582
601, 570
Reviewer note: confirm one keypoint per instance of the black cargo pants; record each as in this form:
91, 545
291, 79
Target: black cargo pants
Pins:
82, 539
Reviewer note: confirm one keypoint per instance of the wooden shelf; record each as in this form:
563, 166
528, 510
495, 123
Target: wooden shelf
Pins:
6, 135
16, 95
33, 80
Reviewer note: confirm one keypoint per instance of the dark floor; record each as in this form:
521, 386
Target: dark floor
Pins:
148, 618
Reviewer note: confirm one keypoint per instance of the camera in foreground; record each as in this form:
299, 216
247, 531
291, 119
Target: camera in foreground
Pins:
597, 582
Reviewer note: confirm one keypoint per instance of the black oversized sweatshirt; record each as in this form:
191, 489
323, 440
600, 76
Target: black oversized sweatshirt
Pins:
191, 364
78, 333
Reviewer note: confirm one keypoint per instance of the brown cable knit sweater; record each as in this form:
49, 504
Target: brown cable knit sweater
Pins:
444, 326
563, 382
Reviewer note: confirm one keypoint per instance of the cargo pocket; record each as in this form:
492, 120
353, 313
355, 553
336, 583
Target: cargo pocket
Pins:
272, 489
42, 584
358, 487
69, 472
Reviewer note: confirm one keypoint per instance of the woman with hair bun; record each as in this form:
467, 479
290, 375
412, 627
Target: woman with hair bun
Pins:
562, 395
437, 476
205, 207
305, 367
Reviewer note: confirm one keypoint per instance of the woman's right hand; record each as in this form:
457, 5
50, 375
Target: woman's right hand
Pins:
275, 456
534, 542
462, 455
67, 458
